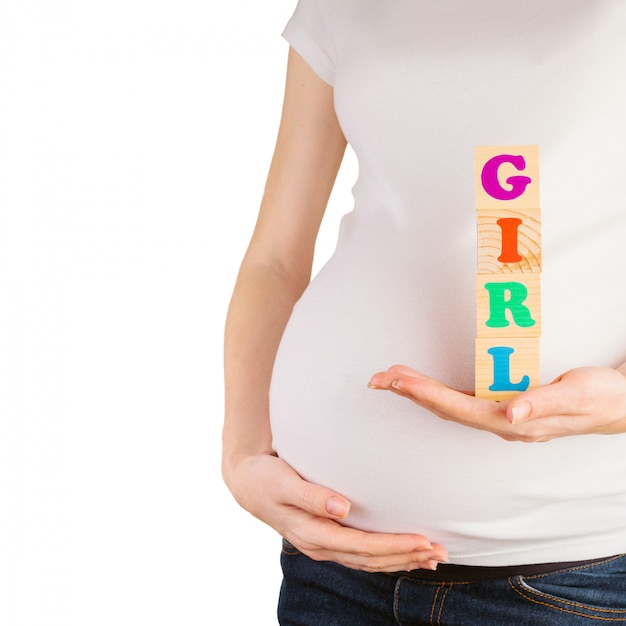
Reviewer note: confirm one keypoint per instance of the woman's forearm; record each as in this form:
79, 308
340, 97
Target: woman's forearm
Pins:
277, 266
261, 304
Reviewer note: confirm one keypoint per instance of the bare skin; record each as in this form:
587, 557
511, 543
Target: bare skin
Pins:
274, 272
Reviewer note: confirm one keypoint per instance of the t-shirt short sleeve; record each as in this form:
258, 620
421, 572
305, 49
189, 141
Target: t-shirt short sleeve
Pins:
307, 32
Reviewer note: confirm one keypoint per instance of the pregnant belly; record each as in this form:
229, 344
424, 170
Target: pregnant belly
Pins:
403, 468
489, 502
384, 453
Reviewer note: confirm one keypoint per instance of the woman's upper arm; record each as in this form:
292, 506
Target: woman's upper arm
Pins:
307, 156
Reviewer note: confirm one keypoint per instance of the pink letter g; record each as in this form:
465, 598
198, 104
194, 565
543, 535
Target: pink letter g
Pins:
491, 184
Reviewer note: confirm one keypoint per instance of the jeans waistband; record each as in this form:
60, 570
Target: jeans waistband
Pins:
474, 573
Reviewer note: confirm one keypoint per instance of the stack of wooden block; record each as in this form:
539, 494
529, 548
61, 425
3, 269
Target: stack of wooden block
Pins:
508, 290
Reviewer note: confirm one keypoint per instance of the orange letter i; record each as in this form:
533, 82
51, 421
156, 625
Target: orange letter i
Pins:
509, 240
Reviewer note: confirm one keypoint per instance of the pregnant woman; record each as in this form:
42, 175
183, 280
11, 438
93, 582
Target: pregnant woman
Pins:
401, 497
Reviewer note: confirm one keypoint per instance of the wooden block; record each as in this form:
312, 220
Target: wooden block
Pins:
508, 305
509, 241
506, 367
507, 177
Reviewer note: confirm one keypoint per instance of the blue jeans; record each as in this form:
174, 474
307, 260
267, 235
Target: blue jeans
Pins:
327, 594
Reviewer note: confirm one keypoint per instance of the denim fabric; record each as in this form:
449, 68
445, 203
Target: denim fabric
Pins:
326, 594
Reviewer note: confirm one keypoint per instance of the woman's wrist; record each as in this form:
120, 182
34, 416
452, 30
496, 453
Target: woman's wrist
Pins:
232, 460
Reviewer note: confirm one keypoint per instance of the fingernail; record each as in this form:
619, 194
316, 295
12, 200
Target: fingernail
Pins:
337, 507
395, 384
370, 386
520, 412
432, 565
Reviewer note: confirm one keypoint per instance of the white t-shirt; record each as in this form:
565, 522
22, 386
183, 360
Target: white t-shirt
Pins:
418, 85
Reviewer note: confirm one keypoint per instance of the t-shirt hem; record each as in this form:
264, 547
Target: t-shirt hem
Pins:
557, 552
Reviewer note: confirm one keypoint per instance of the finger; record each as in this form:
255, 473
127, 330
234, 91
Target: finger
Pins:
556, 399
378, 552
395, 563
383, 380
388, 563
324, 534
395, 377
378, 544
449, 403
314, 499
425, 559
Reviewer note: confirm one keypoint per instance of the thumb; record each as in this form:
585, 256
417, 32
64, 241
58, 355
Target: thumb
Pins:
545, 401
317, 500
337, 506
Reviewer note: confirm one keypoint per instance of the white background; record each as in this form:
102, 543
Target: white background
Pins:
135, 137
